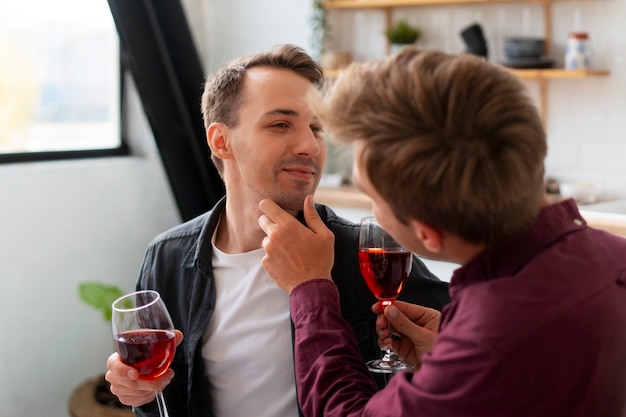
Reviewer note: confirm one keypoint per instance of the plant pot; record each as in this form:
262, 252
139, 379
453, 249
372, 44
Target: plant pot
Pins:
396, 47
92, 398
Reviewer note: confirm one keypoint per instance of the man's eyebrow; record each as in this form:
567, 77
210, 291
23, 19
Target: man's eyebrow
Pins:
281, 112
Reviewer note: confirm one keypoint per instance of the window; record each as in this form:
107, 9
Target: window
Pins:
59, 80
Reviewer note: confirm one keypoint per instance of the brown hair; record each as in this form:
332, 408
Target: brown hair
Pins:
223, 90
450, 140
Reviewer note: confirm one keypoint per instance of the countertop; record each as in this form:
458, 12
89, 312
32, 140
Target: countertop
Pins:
610, 216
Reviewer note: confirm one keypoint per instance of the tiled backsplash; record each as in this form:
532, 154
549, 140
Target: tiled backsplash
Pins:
586, 117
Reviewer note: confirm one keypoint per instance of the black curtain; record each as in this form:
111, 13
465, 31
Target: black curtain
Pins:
158, 50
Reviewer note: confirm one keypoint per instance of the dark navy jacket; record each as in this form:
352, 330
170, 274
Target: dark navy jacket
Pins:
178, 265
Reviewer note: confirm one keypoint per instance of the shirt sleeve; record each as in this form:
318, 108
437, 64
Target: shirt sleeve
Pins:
333, 381
331, 376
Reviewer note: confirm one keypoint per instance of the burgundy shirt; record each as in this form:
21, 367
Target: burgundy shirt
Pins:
536, 327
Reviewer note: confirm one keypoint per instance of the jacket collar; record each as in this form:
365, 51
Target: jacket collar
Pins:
201, 253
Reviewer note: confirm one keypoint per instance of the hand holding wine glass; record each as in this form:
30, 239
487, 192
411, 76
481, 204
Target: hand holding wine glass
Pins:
144, 336
417, 324
385, 266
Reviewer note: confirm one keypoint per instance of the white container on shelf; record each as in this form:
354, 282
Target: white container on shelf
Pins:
577, 56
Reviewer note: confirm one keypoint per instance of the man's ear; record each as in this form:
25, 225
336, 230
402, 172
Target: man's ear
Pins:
217, 139
431, 237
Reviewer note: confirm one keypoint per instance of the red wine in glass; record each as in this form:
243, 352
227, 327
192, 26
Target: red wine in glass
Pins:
144, 336
149, 351
385, 266
385, 271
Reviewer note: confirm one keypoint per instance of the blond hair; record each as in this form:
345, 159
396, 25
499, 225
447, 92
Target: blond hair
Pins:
450, 140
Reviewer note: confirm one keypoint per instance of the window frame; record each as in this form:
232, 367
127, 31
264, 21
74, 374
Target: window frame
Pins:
71, 154
122, 150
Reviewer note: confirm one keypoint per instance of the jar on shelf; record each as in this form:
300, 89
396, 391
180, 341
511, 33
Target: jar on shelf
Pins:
577, 55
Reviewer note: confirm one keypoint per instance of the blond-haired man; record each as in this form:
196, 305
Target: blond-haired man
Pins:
451, 151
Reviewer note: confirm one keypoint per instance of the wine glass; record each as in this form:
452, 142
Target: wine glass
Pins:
144, 336
385, 265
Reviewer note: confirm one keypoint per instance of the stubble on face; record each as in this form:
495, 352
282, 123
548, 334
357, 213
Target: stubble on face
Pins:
291, 197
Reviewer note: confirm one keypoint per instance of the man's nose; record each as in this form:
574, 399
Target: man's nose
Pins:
308, 144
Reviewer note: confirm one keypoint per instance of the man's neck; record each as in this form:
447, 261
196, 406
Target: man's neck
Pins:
238, 230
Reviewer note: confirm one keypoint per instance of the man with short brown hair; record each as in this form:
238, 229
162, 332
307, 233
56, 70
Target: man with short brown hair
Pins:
236, 358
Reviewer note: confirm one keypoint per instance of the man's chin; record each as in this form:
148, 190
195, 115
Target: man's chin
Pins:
291, 203
291, 198
291, 207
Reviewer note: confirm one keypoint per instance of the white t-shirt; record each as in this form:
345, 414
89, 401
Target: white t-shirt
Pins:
247, 347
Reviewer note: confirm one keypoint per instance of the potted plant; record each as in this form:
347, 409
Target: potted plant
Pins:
330, 59
92, 398
321, 28
401, 33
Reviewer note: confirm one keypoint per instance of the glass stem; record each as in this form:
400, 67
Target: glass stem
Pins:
161, 404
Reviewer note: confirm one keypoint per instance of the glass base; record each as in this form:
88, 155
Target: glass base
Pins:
388, 364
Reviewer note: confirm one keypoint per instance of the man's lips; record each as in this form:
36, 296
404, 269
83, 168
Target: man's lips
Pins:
301, 172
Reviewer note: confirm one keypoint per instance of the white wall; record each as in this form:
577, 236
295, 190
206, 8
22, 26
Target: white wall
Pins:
62, 223
586, 117
226, 29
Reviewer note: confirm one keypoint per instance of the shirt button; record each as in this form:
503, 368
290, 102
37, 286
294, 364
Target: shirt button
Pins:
578, 222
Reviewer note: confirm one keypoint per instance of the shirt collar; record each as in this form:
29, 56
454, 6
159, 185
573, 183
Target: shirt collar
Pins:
506, 258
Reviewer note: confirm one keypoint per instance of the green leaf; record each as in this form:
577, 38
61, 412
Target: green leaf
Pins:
402, 32
100, 296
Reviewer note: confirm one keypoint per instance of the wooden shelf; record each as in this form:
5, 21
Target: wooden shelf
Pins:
539, 75
343, 196
530, 74
388, 5
535, 74
613, 223
382, 4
